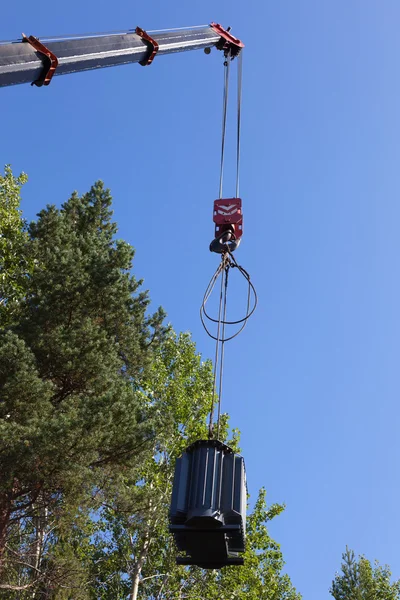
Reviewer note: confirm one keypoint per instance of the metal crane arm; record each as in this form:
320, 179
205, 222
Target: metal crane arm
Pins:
37, 61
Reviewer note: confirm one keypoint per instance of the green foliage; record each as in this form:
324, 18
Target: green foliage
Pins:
97, 400
133, 554
359, 580
71, 366
261, 576
133, 525
13, 261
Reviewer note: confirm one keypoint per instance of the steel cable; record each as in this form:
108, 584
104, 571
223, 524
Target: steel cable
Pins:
250, 307
239, 110
222, 343
227, 63
210, 426
227, 262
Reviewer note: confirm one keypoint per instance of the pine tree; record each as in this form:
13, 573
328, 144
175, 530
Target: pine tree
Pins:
359, 580
71, 367
97, 399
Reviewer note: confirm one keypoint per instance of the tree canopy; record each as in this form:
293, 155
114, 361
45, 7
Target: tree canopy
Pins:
97, 399
13, 263
360, 580
71, 364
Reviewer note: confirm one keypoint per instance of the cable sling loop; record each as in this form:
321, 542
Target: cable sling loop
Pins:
251, 305
227, 262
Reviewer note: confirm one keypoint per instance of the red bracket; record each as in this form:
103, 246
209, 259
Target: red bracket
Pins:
228, 43
228, 216
150, 43
50, 60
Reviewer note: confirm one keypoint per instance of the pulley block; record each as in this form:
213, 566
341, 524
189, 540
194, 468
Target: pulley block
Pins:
228, 219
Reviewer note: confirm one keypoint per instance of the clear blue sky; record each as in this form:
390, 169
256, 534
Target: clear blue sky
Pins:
314, 381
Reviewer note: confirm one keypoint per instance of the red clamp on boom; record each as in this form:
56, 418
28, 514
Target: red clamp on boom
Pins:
150, 43
50, 60
228, 43
228, 216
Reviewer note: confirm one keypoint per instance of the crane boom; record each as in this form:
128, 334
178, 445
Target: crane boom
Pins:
37, 61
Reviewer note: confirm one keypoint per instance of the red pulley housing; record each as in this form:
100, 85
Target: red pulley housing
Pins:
228, 216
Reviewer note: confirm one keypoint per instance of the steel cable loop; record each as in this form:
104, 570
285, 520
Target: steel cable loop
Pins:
212, 283
249, 311
251, 289
241, 321
227, 339
228, 262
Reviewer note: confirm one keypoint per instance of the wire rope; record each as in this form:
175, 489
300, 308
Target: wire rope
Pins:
227, 63
239, 111
251, 307
210, 426
222, 346
227, 259
227, 262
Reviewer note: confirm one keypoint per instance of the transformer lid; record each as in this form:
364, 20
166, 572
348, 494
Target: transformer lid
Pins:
210, 444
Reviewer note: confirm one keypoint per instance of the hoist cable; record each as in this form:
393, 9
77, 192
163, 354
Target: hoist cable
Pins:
210, 426
224, 119
221, 364
239, 110
227, 262
224, 115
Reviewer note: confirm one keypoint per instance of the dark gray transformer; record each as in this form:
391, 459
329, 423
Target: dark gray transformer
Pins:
208, 506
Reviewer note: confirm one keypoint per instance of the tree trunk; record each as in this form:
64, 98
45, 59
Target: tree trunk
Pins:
137, 570
5, 512
40, 522
160, 591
